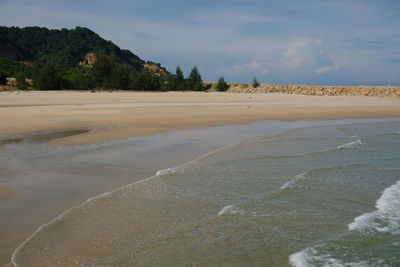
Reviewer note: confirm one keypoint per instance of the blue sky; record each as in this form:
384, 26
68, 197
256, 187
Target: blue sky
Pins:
301, 41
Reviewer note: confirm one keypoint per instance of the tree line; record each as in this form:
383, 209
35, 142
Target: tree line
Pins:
50, 58
106, 73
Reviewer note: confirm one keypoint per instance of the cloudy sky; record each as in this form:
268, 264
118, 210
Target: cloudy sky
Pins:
300, 41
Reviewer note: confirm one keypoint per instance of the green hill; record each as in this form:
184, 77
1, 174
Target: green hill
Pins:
80, 59
66, 48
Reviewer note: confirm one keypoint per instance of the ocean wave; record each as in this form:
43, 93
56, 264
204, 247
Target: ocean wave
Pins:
301, 258
387, 216
313, 257
231, 209
291, 183
299, 177
310, 257
351, 145
294, 155
88, 201
177, 169
174, 170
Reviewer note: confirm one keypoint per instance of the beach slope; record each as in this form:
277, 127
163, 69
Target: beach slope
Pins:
126, 114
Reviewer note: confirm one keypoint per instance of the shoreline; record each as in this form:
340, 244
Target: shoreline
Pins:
165, 171
100, 196
119, 115
87, 171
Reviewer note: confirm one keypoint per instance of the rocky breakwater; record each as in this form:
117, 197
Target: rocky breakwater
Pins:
380, 91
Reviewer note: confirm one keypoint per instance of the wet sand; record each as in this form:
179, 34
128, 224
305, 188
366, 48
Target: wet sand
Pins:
6, 192
126, 114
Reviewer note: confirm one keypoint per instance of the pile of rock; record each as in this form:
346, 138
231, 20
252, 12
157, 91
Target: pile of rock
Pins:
380, 91
88, 62
11, 81
155, 70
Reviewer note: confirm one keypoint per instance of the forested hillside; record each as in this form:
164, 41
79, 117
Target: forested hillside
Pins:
43, 59
64, 48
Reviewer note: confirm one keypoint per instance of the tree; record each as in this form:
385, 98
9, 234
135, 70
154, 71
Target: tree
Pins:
194, 81
3, 77
20, 79
255, 83
119, 77
146, 82
176, 82
47, 77
179, 79
66, 48
222, 85
102, 70
76, 78
11, 68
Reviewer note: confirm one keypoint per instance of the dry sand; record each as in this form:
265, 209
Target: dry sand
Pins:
126, 114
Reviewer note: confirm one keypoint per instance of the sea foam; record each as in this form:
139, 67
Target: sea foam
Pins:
351, 145
177, 169
231, 209
387, 216
291, 183
312, 257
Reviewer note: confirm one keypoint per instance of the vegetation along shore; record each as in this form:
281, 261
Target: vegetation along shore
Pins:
37, 58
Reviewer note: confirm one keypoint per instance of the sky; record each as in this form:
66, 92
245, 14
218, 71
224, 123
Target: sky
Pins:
342, 42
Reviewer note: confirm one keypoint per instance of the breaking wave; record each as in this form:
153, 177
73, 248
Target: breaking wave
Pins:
231, 209
312, 257
291, 183
387, 216
351, 145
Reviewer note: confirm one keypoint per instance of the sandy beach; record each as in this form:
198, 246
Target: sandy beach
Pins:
30, 194
126, 114
162, 134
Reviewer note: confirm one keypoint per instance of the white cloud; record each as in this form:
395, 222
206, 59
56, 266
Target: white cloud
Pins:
251, 68
234, 41
300, 53
326, 69
301, 56
252, 65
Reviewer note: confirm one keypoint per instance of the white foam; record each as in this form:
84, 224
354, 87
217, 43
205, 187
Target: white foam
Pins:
299, 259
387, 216
311, 257
178, 169
231, 209
351, 144
291, 183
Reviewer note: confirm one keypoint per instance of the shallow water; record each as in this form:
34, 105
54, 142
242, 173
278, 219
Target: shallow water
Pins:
318, 194
38, 181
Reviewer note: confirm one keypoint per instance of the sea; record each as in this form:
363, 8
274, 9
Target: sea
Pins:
281, 193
